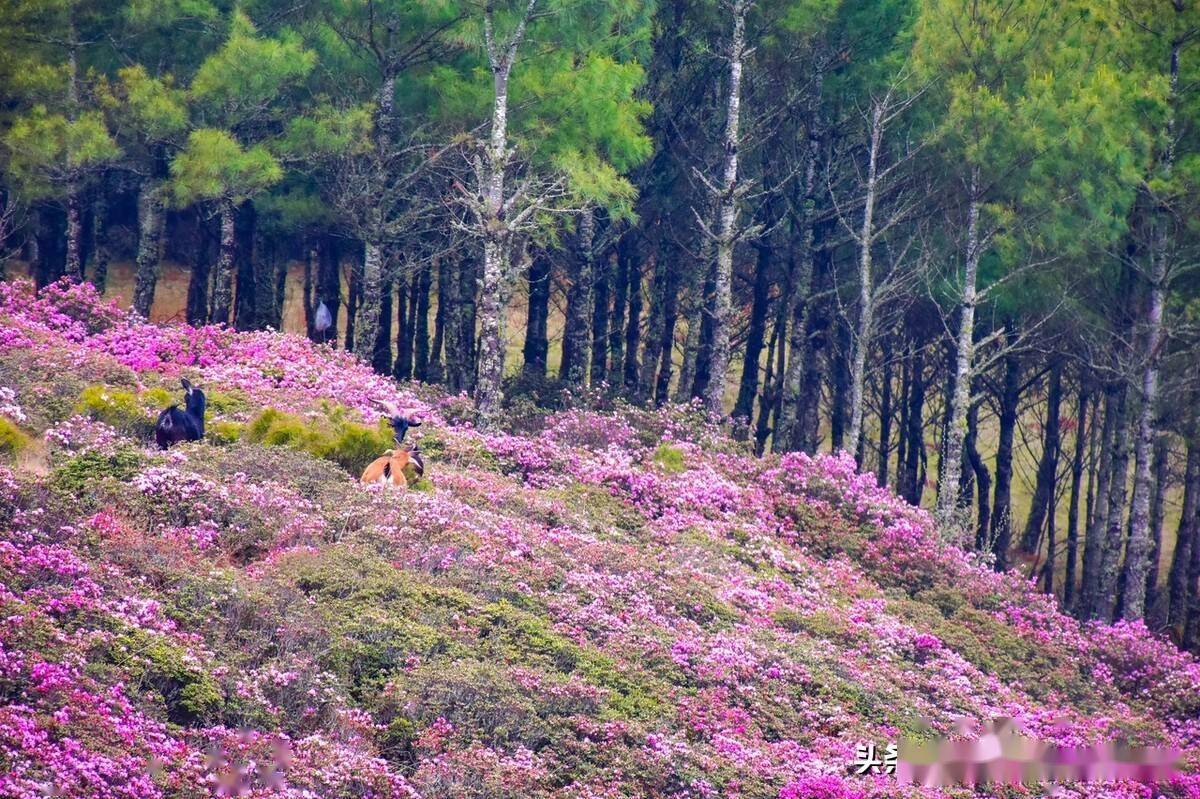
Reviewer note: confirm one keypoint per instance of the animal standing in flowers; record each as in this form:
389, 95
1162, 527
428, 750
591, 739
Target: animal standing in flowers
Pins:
174, 425
392, 467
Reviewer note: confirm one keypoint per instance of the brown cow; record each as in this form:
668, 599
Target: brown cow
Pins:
390, 467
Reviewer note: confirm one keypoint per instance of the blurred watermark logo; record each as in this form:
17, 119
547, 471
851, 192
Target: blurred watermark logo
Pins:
1000, 753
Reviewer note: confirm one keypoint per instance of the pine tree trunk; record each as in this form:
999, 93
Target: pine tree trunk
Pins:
840, 377
911, 485
768, 402
616, 326
100, 251
1077, 457
441, 320
1093, 548
1043, 493
149, 250
655, 322
1110, 556
222, 296
983, 479
1191, 627
885, 417
666, 346
1157, 519
1001, 532
309, 288
687, 386
965, 349
727, 217
536, 339
421, 354
488, 392
198, 275
1187, 537
577, 332
381, 352
599, 366
864, 328
401, 367
633, 328
756, 334
245, 312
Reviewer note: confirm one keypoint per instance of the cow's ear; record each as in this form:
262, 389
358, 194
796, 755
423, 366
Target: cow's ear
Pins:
187, 384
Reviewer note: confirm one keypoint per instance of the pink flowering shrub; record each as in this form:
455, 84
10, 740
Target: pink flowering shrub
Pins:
621, 603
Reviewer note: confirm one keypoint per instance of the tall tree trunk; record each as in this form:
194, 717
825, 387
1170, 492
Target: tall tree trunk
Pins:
309, 290
222, 296
1093, 548
1110, 556
381, 352
756, 334
198, 274
329, 281
965, 348
150, 217
885, 417
1010, 398
616, 327
1186, 538
401, 366
911, 485
840, 378
354, 295
687, 386
1157, 518
983, 478
100, 251
577, 331
660, 283
865, 323
633, 327
445, 288
366, 326
1081, 426
727, 217
600, 280
787, 434
1191, 627
420, 328
536, 340
1043, 494
768, 402
666, 347
245, 311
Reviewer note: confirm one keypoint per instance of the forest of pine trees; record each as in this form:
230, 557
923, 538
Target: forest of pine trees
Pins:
928, 232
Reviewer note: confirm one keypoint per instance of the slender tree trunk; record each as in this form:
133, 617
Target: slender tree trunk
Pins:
913, 486
309, 290
616, 327
983, 479
100, 251
1110, 556
840, 378
787, 434
600, 280
198, 275
437, 372
1191, 627
768, 401
633, 328
1043, 494
1157, 518
727, 217
1187, 537
401, 367
756, 334
149, 251
885, 417
245, 311
687, 386
222, 296
952, 450
1001, 532
354, 295
661, 280
74, 263
329, 281
536, 342
421, 355
381, 359
666, 347
577, 332
1093, 549
1077, 456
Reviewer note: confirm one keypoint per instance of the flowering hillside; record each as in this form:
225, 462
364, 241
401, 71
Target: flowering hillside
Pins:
617, 603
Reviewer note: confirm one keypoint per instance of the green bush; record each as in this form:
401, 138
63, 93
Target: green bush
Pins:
333, 438
669, 459
123, 410
223, 432
73, 477
12, 440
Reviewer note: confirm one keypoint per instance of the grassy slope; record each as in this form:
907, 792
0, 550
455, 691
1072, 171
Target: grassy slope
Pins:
598, 604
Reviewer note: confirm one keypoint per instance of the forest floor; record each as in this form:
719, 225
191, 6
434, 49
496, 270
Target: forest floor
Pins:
612, 603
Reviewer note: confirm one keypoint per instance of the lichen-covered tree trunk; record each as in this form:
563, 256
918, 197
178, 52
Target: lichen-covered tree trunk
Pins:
727, 217
222, 294
74, 233
150, 219
577, 331
965, 354
1114, 538
367, 324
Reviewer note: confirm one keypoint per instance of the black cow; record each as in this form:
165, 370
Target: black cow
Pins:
175, 425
